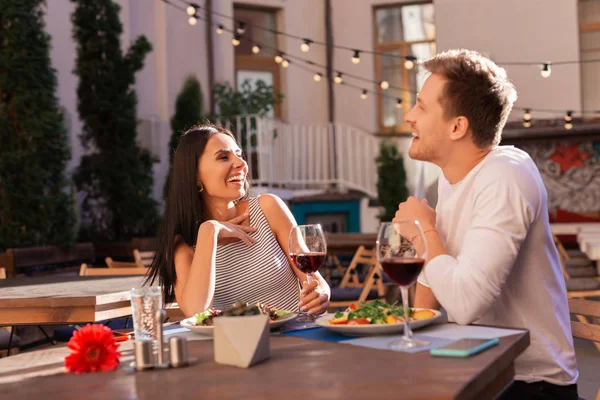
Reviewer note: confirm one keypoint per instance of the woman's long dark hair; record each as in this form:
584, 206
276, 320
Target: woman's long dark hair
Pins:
185, 209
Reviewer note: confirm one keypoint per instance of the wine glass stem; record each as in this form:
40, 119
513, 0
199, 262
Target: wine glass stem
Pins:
407, 331
308, 279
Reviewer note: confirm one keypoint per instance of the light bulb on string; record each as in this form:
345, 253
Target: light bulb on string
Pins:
569, 116
338, 78
569, 120
192, 21
256, 49
305, 47
546, 70
363, 95
317, 77
527, 118
285, 63
219, 29
398, 103
241, 29
356, 57
279, 58
384, 85
410, 62
191, 10
236, 40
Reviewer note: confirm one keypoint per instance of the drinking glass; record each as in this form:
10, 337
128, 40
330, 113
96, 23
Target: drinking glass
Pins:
308, 250
397, 253
145, 302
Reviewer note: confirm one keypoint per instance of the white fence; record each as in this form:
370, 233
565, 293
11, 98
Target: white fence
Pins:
307, 156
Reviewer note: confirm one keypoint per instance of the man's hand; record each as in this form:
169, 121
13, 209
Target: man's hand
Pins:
415, 209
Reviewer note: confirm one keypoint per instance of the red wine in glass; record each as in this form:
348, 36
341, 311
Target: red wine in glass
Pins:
308, 263
403, 271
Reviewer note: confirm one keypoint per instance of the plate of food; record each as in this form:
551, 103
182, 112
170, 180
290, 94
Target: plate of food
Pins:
376, 318
202, 323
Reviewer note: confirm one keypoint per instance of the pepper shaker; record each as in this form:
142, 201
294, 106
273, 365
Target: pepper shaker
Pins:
178, 352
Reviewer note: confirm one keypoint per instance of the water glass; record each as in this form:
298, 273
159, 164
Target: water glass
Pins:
145, 302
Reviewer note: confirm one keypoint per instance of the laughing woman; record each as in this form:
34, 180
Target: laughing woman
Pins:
218, 246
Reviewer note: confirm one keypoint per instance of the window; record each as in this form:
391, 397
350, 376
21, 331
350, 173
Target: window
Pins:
589, 47
252, 67
401, 32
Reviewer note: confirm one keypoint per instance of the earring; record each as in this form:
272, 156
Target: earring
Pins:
200, 187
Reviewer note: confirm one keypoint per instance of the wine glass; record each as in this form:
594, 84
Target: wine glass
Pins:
308, 249
401, 251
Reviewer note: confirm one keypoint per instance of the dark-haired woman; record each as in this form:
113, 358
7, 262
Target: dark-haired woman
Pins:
216, 245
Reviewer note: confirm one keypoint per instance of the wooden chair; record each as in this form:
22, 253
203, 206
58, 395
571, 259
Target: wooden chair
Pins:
143, 258
351, 289
581, 279
583, 329
351, 276
87, 271
122, 264
2, 273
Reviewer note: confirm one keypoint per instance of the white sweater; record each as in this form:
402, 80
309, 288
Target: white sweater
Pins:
503, 268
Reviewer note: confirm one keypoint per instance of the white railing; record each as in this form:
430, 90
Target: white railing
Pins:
318, 156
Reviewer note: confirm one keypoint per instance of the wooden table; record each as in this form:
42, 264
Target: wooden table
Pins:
347, 243
60, 300
298, 368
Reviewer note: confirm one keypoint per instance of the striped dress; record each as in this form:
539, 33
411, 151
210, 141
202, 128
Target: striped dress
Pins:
259, 273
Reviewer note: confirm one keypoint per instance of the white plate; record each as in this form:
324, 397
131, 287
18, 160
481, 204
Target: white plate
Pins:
370, 330
208, 330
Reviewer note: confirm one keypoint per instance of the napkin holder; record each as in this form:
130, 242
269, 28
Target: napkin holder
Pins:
241, 341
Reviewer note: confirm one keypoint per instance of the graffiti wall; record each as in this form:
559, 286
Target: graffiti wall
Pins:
571, 173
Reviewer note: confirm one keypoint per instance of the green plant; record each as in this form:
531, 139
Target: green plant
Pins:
391, 182
257, 100
35, 205
188, 112
115, 176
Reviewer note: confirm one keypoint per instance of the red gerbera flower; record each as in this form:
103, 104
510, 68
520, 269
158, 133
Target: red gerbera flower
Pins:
94, 349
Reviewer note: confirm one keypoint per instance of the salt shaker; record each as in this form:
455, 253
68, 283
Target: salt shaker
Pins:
144, 357
178, 352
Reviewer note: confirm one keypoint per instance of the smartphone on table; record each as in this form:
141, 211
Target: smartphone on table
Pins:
464, 347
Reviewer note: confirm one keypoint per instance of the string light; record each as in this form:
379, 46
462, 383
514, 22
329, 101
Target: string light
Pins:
546, 70
410, 62
256, 49
527, 118
356, 57
305, 47
241, 27
546, 67
191, 10
279, 58
569, 120
363, 95
285, 63
384, 54
569, 116
236, 40
385, 85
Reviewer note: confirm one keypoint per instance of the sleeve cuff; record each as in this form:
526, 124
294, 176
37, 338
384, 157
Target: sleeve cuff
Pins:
434, 265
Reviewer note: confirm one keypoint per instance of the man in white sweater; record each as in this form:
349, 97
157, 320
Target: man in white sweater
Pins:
491, 258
